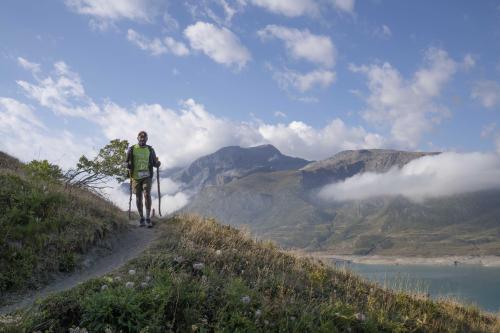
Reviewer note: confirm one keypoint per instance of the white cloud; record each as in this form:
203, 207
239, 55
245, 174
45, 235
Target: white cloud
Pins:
31, 66
408, 107
427, 177
488, 130
487, 93
469, 61
220, 44
300, 139
290, 8
191, 131
156, 46
280, 114
383, 32
344, 5
63, 94
113, 10
26, 137
304, 82
301, 44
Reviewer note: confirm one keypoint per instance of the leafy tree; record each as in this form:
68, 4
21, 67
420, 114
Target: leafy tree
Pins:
109, 163
43, 170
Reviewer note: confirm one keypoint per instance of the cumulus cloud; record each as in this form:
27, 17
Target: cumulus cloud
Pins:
157, 46
302, 44
408, 107
105, 12
427, 177
304, 82
290, 8
220, 44
300, 139
487, 93
63, 93
25, 136
344, 5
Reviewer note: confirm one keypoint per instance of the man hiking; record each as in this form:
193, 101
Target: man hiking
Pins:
141, 159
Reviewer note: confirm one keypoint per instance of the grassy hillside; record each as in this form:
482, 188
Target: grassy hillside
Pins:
45, 227
205, 277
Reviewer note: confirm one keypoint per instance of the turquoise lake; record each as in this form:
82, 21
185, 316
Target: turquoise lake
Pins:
468, 283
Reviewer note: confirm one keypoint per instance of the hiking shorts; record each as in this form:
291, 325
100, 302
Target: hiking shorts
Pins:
140, 185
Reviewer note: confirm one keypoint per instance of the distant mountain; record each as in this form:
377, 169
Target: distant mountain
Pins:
350, 162
234, 162
283, 205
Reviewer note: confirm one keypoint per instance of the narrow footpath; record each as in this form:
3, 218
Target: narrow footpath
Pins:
124, 247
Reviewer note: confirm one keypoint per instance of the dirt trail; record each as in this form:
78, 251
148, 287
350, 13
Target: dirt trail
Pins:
124, 247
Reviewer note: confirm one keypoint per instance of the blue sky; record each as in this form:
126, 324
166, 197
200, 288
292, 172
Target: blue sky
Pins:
312, 77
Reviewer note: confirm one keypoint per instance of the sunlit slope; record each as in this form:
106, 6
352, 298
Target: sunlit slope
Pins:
205, 277
45, 226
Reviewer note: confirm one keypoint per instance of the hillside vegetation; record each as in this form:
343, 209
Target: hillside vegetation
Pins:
45, 226
201, 276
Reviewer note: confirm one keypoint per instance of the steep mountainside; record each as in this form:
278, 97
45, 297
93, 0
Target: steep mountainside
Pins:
234, 162
283, 206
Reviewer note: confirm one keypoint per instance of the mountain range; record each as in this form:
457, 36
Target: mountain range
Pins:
276, 196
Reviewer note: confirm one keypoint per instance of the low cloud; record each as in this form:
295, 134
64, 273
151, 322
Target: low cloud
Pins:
219, 44
427, 177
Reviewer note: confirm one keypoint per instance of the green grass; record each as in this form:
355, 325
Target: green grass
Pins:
45, 227
243, 286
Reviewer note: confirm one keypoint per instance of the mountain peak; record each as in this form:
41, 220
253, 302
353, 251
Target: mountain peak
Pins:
233, 162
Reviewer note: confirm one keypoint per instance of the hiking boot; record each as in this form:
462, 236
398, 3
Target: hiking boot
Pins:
141, 222
148, 223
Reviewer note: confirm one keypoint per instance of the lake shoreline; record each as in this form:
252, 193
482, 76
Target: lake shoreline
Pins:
486, 261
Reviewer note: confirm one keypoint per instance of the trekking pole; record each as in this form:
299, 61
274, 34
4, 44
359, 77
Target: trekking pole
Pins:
130, 197
159, 193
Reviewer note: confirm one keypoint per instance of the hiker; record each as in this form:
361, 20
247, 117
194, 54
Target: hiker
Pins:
141, 159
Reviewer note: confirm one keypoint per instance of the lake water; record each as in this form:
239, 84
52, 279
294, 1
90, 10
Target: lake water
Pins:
468, 283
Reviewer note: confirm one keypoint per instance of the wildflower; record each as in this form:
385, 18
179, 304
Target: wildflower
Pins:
179, 259
104, 287
147, 278
131, 272
218, 252
292, 318
258, 313
129, 284
144, 284
360, 316
204, 279
245, 299
117, 278
198, 266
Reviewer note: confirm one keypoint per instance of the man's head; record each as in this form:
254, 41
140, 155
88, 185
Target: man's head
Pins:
142, 138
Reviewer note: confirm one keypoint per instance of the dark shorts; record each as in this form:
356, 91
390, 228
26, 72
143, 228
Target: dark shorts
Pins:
140, 185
